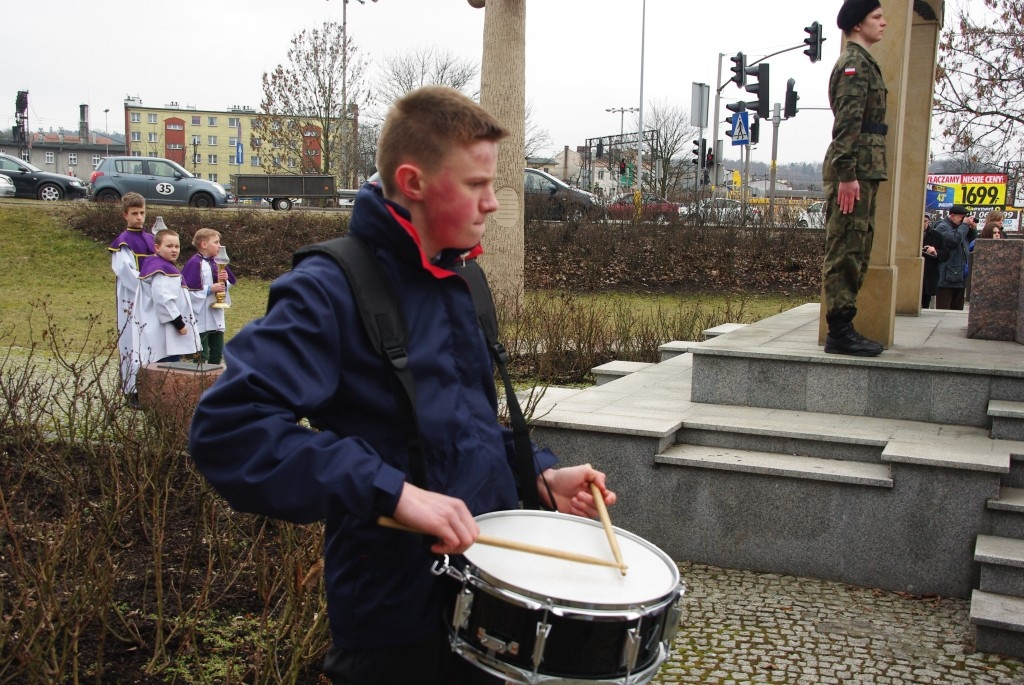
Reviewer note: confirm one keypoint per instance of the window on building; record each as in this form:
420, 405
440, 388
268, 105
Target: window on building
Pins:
72, 159
255, 143
232, 141
195, 140
211, 140
312, 153
197, 159
136, 117
211, 159
255, 160
136, 136
152, 118
136, 153
211, 121
152, 137
197, 120
175, 146
175, 127
292, 164
95, 160
213, 177
233, 122
49, 158
24, 155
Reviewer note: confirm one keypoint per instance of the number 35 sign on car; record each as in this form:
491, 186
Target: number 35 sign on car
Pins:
972, 190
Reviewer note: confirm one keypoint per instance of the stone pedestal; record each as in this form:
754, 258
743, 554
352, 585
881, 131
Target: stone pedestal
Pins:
169, 392
997, 291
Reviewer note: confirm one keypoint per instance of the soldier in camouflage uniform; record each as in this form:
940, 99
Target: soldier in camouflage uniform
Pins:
854, 166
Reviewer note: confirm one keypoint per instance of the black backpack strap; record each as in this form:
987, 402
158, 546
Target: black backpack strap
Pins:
385, 325
483, 303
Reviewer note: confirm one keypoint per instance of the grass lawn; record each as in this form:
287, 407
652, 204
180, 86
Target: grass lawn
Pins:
48, 270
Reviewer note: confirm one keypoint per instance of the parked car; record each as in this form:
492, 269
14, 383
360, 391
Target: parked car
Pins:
813, 216
159, 180
652, 208
547, 198
30, 181
717, 210
6, 187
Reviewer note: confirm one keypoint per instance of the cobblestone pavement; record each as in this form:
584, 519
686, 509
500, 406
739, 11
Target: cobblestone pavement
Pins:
745, 627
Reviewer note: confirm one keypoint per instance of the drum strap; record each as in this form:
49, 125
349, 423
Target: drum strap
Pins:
385, 324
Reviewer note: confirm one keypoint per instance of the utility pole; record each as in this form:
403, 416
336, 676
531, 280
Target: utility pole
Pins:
776, 120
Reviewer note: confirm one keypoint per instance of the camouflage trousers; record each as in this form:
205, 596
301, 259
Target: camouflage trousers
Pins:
848, 239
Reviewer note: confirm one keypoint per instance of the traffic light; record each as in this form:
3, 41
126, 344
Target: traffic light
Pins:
600, 148
755, 131
813, 41
21, 102
709, 160
791, 98
703, 150
739, 64
696, 152
622, 167
760, 72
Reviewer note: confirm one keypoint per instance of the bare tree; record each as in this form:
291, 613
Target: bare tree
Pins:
538, 138
427, 66
674, 134
309, 112
979, 97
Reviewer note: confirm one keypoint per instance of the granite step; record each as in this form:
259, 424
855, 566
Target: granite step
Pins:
1002, 565
1006, 513
1007, 419
606, 373
777, 465
998, 623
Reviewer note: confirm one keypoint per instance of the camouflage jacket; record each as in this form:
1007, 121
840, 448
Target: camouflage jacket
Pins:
856, 93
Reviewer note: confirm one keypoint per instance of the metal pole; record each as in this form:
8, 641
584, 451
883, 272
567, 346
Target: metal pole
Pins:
640, 141
776, 120
746, 187
714, 129
106, 129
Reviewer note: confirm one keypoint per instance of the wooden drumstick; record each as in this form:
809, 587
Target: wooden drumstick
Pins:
602, 511
491, 541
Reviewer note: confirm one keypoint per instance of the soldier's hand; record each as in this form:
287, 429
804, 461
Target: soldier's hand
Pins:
849, 195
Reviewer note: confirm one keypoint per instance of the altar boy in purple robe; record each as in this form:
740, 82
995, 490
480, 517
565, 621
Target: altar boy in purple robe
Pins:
128, 250
204, 279
163, 313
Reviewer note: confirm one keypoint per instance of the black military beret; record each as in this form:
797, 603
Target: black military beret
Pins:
853, 12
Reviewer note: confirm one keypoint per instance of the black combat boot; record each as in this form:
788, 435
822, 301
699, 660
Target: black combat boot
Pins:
842, 338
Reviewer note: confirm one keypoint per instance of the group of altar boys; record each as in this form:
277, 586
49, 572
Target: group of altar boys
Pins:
165, 314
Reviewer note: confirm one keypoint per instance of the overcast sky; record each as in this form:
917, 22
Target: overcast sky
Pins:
583, 56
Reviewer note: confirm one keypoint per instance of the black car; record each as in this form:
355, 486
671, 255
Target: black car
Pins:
42, 185
548, 198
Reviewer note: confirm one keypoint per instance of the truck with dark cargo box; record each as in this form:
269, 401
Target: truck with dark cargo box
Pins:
281, 190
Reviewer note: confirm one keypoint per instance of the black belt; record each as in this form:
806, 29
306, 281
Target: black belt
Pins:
868, 127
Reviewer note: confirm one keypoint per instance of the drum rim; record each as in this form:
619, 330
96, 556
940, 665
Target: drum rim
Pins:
645, 608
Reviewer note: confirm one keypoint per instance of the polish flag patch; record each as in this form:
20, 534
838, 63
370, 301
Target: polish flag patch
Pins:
850, 71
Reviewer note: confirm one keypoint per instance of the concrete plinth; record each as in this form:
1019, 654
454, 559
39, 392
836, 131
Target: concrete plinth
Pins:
169, 392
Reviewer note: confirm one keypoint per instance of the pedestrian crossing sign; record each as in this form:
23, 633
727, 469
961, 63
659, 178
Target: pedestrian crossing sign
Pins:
741, 128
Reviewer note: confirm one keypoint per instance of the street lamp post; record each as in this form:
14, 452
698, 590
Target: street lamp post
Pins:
106, 129
344, 78
640, 140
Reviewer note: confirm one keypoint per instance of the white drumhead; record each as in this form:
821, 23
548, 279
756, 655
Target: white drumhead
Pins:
651, 575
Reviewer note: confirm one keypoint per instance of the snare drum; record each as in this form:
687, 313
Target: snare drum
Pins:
535, 619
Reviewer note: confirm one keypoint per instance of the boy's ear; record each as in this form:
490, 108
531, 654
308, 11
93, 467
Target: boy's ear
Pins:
409, 181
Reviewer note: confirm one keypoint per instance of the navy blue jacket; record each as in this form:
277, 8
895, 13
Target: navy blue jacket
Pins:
309, 357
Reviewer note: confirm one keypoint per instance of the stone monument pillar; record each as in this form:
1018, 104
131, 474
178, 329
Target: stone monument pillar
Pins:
907, 55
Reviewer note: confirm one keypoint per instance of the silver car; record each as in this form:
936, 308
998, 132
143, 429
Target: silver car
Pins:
813, 216
159, 180
6, 186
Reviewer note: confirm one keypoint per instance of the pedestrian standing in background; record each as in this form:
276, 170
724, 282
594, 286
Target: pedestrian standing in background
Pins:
854, 165
958, 230
933, 249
